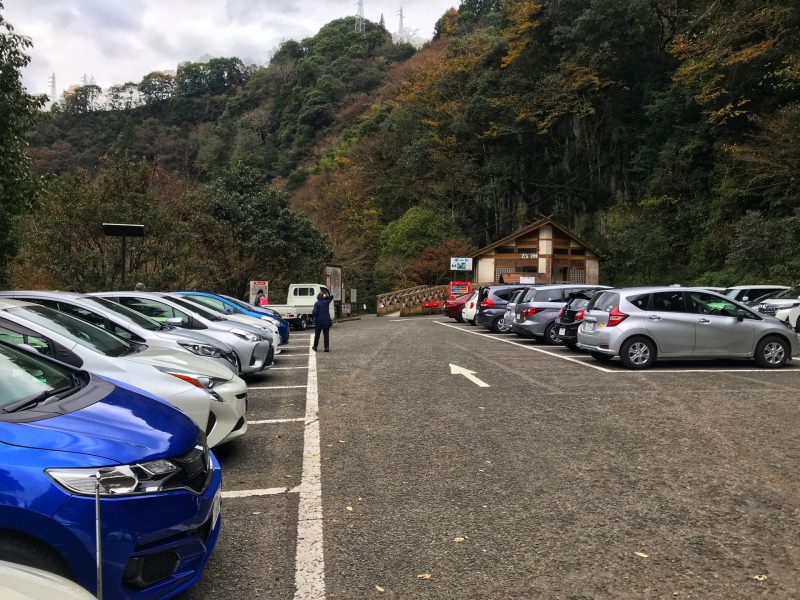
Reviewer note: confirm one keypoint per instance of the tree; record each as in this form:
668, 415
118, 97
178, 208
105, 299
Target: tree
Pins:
156, 87
124, 97
19, 111
80, 99
254, 233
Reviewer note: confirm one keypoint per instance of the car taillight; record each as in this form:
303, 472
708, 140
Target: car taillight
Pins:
615, 317
528, 312
579, 315
472, 305
561, 313
488, 303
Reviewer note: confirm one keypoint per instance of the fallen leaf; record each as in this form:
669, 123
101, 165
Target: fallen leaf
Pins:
341, 441
329, 445
255, 513
760, 577
642, 554
424, 576
379, 588
458, 539
350, 508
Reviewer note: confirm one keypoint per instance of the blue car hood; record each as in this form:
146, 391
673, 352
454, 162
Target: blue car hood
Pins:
125, 426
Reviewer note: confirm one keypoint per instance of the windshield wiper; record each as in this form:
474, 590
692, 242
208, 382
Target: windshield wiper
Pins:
38, 399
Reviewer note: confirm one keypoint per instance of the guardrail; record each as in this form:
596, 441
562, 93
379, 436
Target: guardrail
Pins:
409, 298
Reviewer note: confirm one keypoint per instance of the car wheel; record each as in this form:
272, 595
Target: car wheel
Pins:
638, 353
600, 356
772, 352
24, 550
472, 322
571, 345
550, 335
302, 323
499, 325
797, 325
459, 319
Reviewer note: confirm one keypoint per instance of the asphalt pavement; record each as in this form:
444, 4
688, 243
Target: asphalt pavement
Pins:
564, 478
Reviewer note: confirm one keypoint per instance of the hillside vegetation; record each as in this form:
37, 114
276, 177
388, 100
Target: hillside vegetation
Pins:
665, 132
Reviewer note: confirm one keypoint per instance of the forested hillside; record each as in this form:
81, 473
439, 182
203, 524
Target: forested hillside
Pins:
664, 131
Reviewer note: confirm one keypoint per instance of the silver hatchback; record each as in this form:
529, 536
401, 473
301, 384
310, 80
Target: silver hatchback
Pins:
642, 324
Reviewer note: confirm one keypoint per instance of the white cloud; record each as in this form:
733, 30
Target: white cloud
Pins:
122, 40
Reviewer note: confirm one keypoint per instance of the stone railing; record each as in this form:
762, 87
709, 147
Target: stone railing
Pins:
403, 300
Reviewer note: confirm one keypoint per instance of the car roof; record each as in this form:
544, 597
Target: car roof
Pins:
41, 293
758, 287
9, 303
661, 288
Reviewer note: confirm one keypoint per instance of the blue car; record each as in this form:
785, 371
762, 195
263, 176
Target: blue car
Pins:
232, 305
66, 434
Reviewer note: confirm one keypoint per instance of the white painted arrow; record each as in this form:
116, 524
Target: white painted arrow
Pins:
456, 370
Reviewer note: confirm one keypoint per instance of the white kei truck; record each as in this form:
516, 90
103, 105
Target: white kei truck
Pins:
300, 302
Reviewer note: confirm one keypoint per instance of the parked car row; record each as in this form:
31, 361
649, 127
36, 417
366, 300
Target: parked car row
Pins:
642, 325
110, 404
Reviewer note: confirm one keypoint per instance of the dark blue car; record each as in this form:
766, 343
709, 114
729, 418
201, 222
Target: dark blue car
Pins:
62, 431
224, 303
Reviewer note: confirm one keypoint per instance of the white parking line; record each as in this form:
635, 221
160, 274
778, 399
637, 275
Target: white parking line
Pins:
277, 387
579, 359
274, 421
309, 578
250, 493
529, 347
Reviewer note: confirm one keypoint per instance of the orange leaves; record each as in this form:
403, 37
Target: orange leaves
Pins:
521, 16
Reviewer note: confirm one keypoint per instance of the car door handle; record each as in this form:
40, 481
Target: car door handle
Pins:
703, 321
654, 318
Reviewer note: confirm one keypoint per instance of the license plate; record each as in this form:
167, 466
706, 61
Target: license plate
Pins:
216, 508
588, 326
562, 331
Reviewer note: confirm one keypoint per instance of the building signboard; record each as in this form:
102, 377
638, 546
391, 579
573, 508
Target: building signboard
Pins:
461, 264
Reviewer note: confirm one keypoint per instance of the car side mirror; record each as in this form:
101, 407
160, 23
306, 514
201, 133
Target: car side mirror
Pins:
228, 311
175, 321
745, 298
740, 315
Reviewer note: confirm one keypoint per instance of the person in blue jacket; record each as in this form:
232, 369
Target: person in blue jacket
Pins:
322, 320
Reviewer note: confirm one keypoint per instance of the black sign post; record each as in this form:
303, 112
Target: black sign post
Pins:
124, 231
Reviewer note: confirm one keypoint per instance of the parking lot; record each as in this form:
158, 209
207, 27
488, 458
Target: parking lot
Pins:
543, 474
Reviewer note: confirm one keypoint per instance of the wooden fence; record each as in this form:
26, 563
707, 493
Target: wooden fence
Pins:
409, 299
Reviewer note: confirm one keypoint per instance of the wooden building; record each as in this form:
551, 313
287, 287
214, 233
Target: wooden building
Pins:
545, 250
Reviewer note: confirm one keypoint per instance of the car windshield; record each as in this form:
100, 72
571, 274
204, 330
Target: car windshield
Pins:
123, 311
604, 301
577, 303
793, 293
24, 377
191, 306
78, 331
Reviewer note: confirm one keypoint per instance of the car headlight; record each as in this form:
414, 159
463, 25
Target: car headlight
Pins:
245, 335
201, 349
203, 382
141, 478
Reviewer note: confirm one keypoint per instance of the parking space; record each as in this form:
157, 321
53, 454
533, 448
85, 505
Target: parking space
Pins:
262, 472
546, 483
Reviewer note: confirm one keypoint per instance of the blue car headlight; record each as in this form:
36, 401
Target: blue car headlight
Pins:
141, 478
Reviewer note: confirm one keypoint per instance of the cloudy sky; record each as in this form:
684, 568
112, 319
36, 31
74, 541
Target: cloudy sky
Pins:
121, 40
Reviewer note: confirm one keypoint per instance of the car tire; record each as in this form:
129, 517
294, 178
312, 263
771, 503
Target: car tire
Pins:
772, 352
638, 353
550, 336
499, 325
459, 319
302, 323
600, 356
472, 322
571, 345
25, 550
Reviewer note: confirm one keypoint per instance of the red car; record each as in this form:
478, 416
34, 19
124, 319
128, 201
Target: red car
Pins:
453, 308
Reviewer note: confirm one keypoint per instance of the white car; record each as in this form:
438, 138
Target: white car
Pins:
20, 582
748, 293
470, 309
212, 305
209, 393
790, 316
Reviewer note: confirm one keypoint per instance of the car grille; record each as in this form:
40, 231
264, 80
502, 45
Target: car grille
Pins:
767, 309
194, 470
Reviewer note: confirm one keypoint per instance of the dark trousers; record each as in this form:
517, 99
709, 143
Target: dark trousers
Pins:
325, 333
